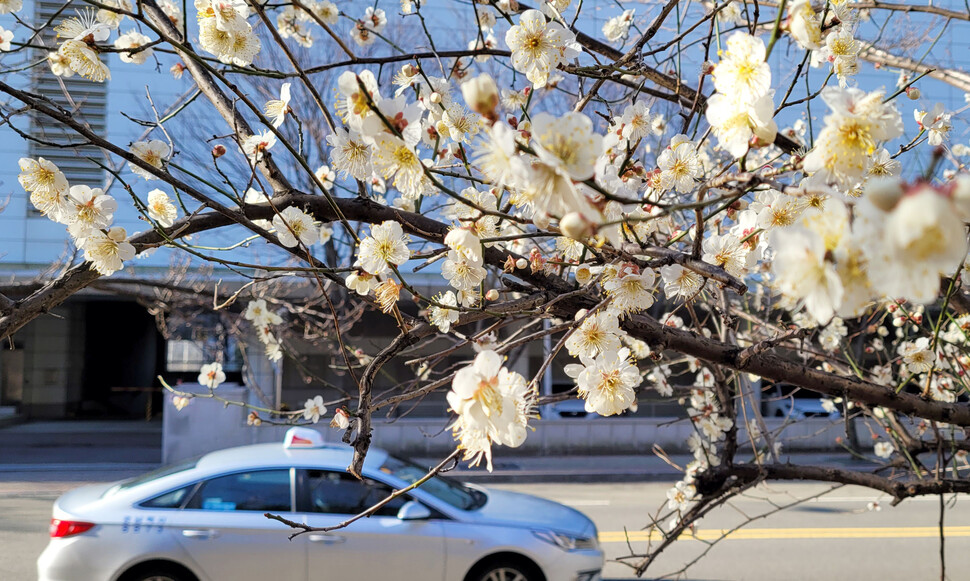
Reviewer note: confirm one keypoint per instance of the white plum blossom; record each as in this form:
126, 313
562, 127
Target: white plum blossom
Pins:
742, 71
680, 282
917, 355
225, 33
256, 146
153, 153
211, 375
387, 245
607, 383
47, 186
539, 46
466, 244
804, 25
5, 37
276, 109
493, 405
679, 497
259, 314
350, 154
856, 125
10, 6
802, 271
461, 273
923, 238
936, 122
679, 165
361, 282
443, 317
294, 226
106, 251
161, 209
313, 409
618, 27
90, 208
600, 332
884, 450
133, 40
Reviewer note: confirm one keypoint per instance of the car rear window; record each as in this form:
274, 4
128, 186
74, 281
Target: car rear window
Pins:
154, 475
173, 499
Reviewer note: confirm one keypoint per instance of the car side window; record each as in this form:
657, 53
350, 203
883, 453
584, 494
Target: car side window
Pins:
262, 490
340, 493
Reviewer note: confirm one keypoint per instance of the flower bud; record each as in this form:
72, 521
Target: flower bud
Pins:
491, 295
884, 193
341, 419
521, 264
218, 151
481, 94
435, 97
913, 93
541, 221
575, 226
409, 70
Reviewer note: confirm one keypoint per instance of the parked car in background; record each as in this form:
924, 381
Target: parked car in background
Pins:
572, 408
782, 400
203, 520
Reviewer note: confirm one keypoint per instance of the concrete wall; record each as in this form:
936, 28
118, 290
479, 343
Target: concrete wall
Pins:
51, 386
207, 425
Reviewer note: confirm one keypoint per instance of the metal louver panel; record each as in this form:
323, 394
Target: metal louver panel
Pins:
87, 101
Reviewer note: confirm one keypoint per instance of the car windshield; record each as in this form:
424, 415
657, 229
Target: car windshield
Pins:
154, 475
454, 493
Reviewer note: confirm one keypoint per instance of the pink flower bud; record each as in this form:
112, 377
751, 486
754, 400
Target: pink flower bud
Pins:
218, 151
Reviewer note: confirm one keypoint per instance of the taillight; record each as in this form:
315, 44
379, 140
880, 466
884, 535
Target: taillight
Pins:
68, 528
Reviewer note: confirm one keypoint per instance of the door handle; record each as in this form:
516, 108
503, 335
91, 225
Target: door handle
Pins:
200, 533
326, 539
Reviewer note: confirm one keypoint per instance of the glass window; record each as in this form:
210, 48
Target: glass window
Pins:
264, 490
173, 499
453, 493
341, 493
154, 475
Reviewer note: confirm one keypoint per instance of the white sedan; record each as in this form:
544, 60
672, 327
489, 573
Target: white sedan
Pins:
203, 520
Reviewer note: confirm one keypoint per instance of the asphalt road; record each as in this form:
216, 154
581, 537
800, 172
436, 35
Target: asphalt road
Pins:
835, 537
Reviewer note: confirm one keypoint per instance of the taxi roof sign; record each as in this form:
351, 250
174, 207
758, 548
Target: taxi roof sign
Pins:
303, 438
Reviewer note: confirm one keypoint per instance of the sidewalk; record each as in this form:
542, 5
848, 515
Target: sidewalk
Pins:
640, 468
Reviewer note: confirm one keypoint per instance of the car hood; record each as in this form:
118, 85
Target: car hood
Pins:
524, 510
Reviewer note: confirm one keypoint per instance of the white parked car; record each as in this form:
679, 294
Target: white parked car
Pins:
203, 520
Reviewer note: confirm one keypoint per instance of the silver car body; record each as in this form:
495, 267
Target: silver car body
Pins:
216, 544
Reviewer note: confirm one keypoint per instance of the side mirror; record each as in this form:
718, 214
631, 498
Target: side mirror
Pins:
413, 510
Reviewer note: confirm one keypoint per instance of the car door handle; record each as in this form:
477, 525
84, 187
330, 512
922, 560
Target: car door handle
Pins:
200, 533
326, 539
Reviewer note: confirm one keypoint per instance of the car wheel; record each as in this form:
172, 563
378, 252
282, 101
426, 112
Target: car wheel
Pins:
157, 574
506, 572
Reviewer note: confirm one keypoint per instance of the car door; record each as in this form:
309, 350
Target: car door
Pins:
224, 530
378, 547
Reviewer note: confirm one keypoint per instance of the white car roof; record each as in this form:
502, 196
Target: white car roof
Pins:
332, 456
